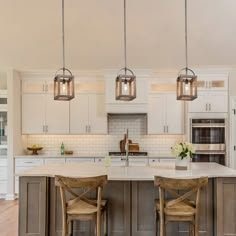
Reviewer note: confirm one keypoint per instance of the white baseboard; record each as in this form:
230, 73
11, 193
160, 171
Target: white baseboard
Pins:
2, 196
10, 197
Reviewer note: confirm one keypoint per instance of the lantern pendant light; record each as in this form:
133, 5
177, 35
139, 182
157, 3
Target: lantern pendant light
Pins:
63, 82
187, 80
126, 81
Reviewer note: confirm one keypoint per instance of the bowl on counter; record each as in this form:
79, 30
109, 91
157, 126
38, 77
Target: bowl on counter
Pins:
34, 150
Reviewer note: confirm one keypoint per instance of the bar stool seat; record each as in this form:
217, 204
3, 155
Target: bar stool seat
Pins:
184, 204
82, 207
176, 210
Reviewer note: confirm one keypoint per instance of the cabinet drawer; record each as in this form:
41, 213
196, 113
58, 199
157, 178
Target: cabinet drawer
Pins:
3, 162
52, 160
154, 161
83, 159
167, 160
28, 162
138, 161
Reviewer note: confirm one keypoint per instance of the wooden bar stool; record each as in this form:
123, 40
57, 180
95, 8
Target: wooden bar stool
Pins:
179, 208
80, 207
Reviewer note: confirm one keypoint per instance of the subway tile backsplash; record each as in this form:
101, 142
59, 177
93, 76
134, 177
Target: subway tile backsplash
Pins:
101, 144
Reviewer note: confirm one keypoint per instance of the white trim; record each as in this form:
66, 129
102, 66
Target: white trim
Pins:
10, 197
232, 127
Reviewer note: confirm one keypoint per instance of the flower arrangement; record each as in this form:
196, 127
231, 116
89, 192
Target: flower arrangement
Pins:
183, 150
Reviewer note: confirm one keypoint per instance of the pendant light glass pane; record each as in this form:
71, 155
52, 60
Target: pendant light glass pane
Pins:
64, 87
125, 87
186, 87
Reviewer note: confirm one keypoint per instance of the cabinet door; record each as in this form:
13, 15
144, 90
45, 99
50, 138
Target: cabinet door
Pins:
199, 104
212, 83
33, 114
174, 115
57, 115
33, 86
97, 114
156, 114
218, 101
79, 114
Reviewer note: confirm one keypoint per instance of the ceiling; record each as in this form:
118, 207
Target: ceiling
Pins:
31, 34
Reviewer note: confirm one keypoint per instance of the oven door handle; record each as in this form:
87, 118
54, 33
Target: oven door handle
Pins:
208, 126
212, 152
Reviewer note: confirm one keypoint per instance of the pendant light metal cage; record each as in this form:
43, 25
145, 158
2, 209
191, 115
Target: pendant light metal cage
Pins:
64, 85
186, 85
186, 89
125, 85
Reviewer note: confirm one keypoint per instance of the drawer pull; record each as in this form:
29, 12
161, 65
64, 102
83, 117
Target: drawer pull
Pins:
28, 162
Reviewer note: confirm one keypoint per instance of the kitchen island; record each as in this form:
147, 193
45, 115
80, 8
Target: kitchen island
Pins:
131, 193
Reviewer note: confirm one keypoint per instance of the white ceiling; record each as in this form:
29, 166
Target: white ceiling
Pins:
30, 35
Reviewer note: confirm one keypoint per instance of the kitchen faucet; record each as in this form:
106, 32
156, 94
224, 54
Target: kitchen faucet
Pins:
127, 148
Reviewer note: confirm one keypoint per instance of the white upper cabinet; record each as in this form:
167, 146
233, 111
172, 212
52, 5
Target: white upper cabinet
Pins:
138, 105
212, 101
212, 82
37, 86
33, 113
165, 114
56, 116
41, 114
87, 114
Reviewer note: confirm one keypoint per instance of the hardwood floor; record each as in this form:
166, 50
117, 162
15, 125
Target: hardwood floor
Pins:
8, 218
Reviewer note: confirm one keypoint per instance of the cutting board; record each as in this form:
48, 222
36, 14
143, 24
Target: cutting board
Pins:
123, 142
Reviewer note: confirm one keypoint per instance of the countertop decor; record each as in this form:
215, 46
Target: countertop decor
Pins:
183, 152
34, 149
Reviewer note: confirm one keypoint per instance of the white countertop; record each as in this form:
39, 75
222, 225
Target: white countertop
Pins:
59, 156
132, 172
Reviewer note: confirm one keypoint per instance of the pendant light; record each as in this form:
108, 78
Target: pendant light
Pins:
63, 82
126, 81
187, 80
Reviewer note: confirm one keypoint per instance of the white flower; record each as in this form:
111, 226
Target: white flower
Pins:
183, 150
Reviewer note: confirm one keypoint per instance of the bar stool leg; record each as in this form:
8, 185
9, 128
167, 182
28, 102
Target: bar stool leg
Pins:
105, 217
70, 228
191, 229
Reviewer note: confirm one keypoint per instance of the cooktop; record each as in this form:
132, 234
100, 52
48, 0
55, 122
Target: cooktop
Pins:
130, 153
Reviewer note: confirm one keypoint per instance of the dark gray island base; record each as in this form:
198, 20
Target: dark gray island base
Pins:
131, 209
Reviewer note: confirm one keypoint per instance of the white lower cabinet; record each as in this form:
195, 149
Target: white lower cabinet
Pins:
25, 164
3, 176
80, 159
167, 159
153, 161
138, 161
54, 160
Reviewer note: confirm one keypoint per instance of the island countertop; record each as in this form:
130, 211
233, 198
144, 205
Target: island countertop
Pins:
132, 172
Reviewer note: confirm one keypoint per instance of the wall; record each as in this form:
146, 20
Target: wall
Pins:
99, 145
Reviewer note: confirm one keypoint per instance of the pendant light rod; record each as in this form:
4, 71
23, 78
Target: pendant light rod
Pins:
63, 37
186, 35
125, 53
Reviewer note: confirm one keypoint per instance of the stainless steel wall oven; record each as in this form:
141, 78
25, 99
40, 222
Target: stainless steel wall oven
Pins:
209, 139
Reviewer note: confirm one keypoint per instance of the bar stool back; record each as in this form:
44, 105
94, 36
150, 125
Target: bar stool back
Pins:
80, 207
180, 207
